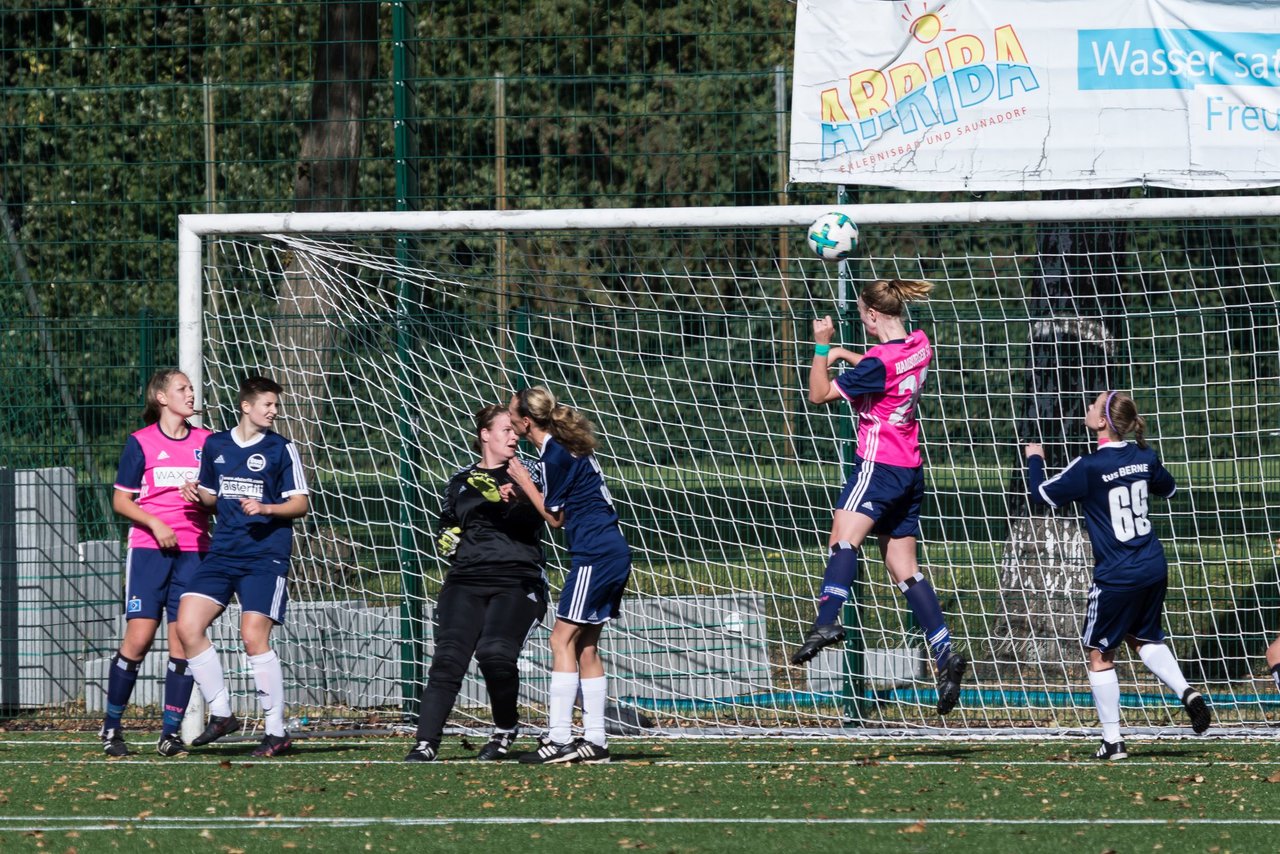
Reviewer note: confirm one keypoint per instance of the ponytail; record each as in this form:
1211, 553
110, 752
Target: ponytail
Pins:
1140, 431
890, 296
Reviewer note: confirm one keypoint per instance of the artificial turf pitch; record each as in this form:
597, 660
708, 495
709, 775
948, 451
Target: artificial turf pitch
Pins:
1214, 795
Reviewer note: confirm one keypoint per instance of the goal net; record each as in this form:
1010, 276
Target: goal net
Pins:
685, 335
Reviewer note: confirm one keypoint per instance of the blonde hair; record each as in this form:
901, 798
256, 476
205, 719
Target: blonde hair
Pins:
890, 296
157, 385
570, 427
1121, 413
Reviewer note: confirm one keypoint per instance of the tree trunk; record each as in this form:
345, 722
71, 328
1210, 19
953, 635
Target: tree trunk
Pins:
328, 168
1077, 331
326, 180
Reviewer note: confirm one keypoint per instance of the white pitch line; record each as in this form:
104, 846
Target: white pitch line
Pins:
869, 762
91, 823
752, 741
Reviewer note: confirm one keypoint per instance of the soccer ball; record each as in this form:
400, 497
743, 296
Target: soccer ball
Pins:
833, 236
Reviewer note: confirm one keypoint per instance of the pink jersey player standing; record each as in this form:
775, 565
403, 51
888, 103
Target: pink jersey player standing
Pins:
167, 541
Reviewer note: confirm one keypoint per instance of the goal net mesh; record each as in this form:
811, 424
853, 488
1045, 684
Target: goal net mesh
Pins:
689, 348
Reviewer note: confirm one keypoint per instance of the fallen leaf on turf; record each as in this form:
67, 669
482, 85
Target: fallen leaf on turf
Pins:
918, 827
1174, 798
107, 796
226, 763
1274, 778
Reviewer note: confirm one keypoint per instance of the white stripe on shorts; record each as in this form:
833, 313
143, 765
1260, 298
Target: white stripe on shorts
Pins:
275, 602
1091, 613
578, 604
128, 576
860, 486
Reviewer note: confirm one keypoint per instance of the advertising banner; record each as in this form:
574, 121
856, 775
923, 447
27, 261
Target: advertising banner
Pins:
1037, 94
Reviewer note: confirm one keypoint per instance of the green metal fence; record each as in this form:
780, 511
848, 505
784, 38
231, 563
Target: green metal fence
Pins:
117, 117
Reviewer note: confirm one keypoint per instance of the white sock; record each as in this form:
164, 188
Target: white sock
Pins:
564, 690
1160, 661
1106, 696
269, 678
595, 694
207, 671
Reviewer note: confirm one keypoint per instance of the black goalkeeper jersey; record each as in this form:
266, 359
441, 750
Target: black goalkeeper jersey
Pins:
501, 540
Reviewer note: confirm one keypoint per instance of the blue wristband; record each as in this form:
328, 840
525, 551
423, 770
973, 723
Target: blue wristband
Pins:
821, 349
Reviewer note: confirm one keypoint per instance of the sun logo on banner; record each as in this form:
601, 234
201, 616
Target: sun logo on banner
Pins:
926, 27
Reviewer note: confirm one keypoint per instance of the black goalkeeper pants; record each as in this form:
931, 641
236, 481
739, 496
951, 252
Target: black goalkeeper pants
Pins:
491, 622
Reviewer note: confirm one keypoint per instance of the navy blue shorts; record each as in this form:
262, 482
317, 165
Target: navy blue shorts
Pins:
154, 581
259, 589
1114, 615
891, 495
593, 591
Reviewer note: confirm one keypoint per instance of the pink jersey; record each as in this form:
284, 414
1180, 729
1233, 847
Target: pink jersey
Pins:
883, 389
155, 466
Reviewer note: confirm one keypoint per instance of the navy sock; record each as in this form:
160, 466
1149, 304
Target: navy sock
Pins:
1275, 674
178, 683
924, 604
120, 682
837, 581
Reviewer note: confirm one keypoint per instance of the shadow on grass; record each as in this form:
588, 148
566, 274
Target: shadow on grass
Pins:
244, 749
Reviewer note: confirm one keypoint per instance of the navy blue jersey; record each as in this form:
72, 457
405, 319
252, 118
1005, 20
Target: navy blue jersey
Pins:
1113, 486
575, 486
267, 470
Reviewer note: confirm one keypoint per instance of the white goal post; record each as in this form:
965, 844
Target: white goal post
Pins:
684, 334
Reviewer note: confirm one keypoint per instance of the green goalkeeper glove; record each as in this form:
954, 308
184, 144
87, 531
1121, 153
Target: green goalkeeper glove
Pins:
485, 485
448, 541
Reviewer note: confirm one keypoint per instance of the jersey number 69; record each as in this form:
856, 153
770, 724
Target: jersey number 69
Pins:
1129, 511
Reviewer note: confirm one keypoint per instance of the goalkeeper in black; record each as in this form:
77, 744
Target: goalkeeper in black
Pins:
494, 594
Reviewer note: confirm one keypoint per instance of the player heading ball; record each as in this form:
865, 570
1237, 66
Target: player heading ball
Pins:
884, 493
